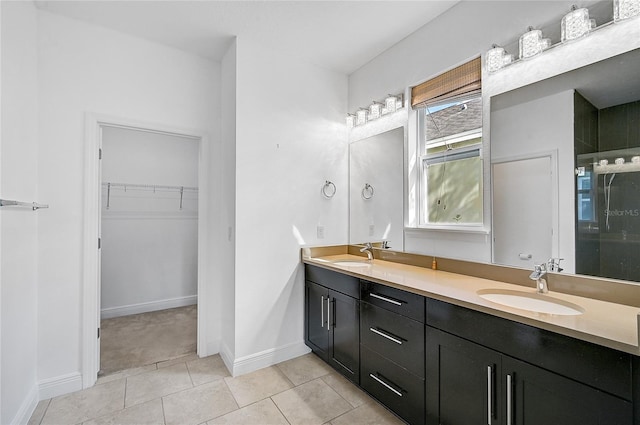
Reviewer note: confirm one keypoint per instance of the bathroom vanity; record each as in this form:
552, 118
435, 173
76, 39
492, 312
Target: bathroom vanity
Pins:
427, 345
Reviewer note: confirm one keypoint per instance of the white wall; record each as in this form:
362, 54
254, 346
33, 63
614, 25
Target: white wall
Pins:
465, 31
290, 138
149, 243
227, 175
84, 68
541, 125
19, 227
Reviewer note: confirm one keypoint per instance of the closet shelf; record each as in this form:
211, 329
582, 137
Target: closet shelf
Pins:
146, 187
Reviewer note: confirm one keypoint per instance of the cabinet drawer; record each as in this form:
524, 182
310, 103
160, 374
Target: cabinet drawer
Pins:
393, 386
343, 283
392, 299
396, 337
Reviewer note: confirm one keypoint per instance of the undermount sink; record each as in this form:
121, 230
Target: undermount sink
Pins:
352, 263
540, 303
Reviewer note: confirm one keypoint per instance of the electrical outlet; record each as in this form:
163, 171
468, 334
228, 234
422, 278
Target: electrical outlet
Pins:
372, 229
320, 232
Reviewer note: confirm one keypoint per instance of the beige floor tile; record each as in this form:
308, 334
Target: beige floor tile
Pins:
304, 368
263, 412
157, 383
199, 404
207, 369
313, 403
354, 395
125, 373
181, 359
368, 414
38, 413
149, 413
87, 404
258, 385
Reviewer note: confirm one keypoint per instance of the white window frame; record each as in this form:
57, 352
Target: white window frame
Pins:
423, 159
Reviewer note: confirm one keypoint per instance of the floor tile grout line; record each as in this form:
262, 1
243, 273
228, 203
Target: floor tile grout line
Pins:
45, 411
280, 410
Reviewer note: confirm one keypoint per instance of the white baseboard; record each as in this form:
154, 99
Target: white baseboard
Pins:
226, 356
26, 408
267, 358
59, 385
125, 310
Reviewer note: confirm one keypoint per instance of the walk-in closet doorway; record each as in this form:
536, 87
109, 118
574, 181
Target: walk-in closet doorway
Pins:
143, 202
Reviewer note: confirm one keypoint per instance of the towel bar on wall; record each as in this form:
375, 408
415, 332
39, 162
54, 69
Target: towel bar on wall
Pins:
33, 205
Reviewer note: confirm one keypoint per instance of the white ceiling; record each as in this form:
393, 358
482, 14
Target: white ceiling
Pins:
338, 35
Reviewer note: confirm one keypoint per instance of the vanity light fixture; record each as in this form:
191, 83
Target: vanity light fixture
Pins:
624, 9
497, 58
351, 120
390, 104
375, 110
576, 24
531, 43
361, 116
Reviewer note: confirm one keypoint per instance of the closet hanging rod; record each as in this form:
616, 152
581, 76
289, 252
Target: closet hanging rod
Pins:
33, 205
153, 187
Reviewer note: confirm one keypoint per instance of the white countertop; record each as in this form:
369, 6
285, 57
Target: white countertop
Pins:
604, 323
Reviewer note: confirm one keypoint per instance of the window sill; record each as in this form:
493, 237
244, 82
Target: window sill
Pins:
481, 230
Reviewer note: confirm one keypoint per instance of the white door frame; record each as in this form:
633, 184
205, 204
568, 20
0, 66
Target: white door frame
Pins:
92, 213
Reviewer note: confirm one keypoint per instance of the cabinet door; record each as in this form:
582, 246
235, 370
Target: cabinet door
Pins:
344, 345
316, 316
536, 396
461, 382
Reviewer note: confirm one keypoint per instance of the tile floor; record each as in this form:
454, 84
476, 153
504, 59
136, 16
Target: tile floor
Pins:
193, 391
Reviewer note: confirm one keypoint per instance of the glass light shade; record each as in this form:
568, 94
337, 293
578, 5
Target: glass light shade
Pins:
531, 43
390, 104
497, 58
576, 24
351, 120
624, 9
375, 110
361, 116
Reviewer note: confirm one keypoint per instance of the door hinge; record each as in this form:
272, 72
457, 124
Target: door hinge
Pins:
99, 243
98, 333
100, 153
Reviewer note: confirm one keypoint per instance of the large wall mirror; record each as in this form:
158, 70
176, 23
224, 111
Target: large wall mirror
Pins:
565, 162
376, 189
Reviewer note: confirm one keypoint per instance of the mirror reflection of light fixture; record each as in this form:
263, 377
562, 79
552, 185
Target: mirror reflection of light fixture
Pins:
624, 9
375, 110
497, 58
351, 120
361, 116
576, 24
531, 43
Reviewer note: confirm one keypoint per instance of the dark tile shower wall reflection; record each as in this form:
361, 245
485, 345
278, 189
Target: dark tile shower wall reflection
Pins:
608, 244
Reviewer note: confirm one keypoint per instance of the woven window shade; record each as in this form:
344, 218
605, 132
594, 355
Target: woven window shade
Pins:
461, 80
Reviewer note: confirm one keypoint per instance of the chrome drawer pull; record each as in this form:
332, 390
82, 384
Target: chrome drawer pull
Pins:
509, 401
389, 387
322, 312
489, 393
389, 300
389, 337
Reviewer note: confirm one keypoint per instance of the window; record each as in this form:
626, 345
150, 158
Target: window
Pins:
449, 149
450, 134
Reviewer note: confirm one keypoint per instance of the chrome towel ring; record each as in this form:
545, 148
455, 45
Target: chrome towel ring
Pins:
328, 190
367, 191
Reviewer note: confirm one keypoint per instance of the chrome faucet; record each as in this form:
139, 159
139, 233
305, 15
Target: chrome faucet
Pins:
368, 248
539, 273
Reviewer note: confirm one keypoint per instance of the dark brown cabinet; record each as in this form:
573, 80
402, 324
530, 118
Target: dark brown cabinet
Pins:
392, 349
433, 362
332, 321
471, 384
